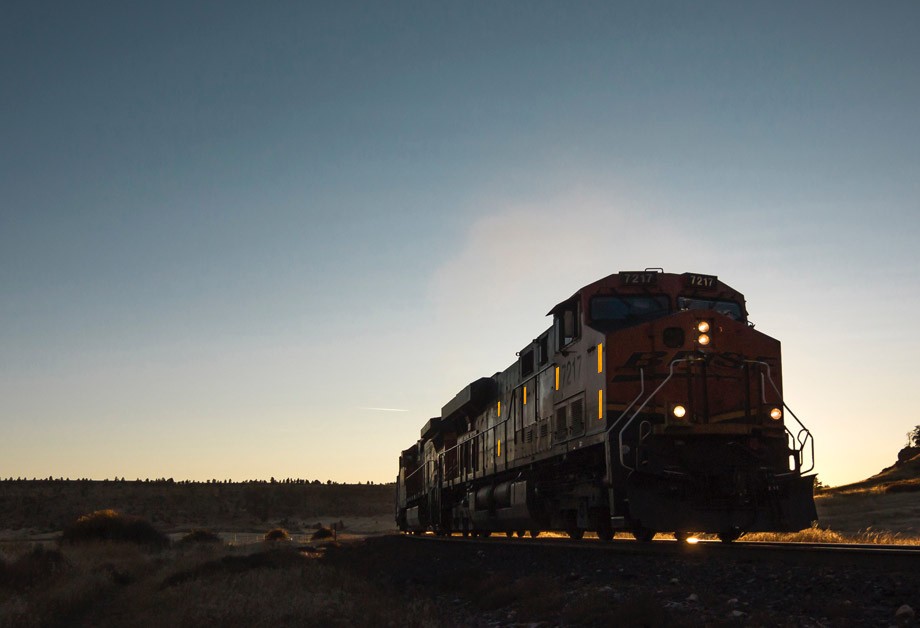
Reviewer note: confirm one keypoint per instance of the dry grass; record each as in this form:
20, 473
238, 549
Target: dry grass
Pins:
817, 534
119, 584
854, 513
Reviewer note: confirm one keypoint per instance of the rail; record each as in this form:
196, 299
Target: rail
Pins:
620, 439
644, 403
802, 438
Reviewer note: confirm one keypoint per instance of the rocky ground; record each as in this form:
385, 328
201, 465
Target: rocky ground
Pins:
492, 584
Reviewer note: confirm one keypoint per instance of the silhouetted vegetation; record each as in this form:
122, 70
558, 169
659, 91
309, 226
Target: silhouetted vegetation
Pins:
109, 525
277, 534
913, 437
322, 533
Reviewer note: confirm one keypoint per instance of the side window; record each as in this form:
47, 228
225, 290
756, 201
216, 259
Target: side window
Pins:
527, 363
566, 324
543, 350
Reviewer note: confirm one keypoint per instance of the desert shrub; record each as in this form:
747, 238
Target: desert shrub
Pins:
277, 534
109, 525
31, 568
200, 536
322, 533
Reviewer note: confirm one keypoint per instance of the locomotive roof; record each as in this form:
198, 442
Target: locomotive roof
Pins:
655, 280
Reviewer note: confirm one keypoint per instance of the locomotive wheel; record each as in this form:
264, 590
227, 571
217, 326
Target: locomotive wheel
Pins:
680, 536
509, 534
534, 534
643, 535
575, 533
521, 534
465, 533
727, 536
605, 534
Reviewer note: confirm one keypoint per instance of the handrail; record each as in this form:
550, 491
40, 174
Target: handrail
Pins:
797, 438
644, 403
628, 408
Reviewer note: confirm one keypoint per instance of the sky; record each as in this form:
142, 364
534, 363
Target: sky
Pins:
243, 240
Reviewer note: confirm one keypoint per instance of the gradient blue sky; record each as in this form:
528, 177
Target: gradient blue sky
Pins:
229, 231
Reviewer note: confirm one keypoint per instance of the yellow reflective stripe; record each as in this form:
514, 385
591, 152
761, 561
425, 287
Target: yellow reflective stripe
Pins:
499, 447
557, 378
499, 408
600, 403
600, 358
525, 395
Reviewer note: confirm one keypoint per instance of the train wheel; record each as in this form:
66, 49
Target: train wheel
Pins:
485, 534
575, 533
509, 534
465, 533
534, 534
605, 534
680, 536
521, 534
643, 535
727, 536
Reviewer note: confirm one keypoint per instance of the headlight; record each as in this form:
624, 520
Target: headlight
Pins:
776, 414
703, 339
703, 327
679, 411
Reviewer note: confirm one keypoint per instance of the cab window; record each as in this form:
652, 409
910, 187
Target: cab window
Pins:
611, 312
728, 308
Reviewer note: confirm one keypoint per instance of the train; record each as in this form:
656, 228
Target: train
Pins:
650, 405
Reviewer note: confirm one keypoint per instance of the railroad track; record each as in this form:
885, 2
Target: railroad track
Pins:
904, 555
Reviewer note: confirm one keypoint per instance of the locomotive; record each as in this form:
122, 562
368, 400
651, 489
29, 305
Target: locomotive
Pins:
650, 405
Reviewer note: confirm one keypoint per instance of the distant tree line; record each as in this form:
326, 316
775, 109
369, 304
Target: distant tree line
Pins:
172, 481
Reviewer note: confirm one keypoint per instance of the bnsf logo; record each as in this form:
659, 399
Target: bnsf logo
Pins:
649, 359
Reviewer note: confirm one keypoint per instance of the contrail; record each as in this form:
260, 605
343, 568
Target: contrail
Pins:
385, 409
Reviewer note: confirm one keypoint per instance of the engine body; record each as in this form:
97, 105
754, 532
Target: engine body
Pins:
650, 405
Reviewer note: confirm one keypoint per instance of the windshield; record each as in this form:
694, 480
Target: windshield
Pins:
728, 308
610, 312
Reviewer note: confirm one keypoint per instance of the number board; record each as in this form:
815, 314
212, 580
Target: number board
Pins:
638, 278
701, 281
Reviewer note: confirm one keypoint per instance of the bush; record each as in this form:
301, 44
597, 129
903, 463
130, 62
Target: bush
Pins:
277, 534
109, 525
200, 536
322, 533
